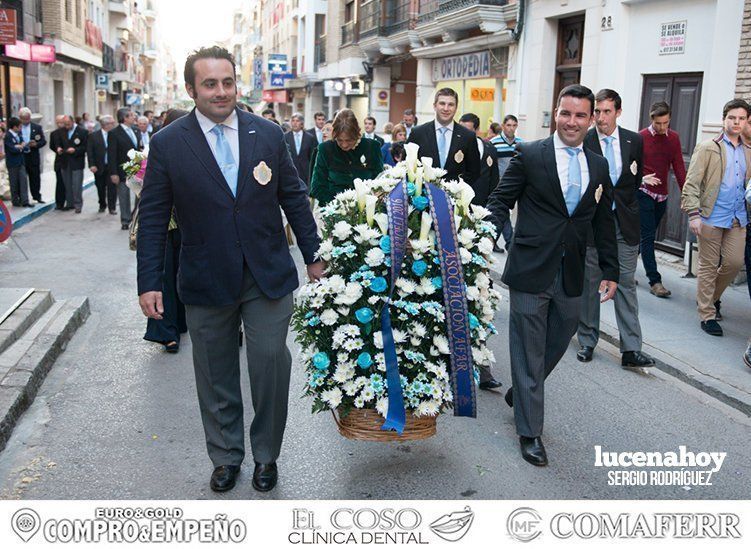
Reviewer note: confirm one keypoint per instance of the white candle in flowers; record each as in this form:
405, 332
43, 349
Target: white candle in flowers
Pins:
370, 206
361, 188
418, 181
425, 222
383, 222
411, 150
427, 169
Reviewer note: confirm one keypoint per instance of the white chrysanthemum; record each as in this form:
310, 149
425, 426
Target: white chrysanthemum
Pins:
415, 341
336, 283
478, 356
382, 406
473, 293
426, 287
324, 250
367, 393
380, 360
350, 388
349, 195
352, 293
344, 311
332, 397
428, 408
467, 238
399, 336
406, 286
482, 281
374, 299
365, 233
485, 246
374, 257
353, 344
329, 317
419, 330
316, 302
465, 255
378, 340
478, 212
420, 247
359, 402
441, 343
342, 230
343, 374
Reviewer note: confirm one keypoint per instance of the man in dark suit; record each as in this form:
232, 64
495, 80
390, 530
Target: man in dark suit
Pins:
369, 130
57, 140
562, 191
14, 152
317, 131
228, 175
120, 141
451, 146
33, 135
96, 152
301, 146
623, 151
74, 149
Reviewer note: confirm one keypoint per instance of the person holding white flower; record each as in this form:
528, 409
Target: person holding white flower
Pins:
120, 141
343, 159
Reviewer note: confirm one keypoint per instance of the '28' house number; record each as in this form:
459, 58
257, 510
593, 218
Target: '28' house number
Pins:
606, 23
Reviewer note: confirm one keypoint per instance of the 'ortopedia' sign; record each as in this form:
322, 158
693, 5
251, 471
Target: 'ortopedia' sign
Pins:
461, 67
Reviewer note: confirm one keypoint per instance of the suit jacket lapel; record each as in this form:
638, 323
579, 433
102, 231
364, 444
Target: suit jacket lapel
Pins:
625, 143
592, 142
456, 137
433, 145
247, 138
194, 138
551, 167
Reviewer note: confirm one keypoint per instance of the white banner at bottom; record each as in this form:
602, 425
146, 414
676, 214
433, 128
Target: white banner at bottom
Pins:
269, 524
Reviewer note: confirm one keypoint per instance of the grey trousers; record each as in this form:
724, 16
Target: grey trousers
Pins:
540, 329
19, 185
123, 197
626, 303
216, 361
73, 181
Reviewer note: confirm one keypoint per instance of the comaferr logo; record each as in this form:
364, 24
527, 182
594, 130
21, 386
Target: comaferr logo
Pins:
643, 525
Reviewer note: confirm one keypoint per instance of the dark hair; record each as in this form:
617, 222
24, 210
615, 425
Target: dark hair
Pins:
172, 115
735, 104
318, 113
14, 122
244, 107
264, 112
446, 92
510, 117
214, 52
495, 127
471, 117
371, 118
580, 92
121, 114
345, 123
660, 108
148, 112
409, 112
607, 94
397, 151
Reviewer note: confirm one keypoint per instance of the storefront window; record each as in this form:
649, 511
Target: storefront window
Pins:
17, 89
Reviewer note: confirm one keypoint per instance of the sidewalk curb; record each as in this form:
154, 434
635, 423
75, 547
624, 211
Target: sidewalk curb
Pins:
43, 209
680, 370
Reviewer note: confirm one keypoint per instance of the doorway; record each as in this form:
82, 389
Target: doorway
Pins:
568, 62
683, 94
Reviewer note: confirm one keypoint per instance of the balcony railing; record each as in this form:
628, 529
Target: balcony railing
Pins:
348, 33
370, 18
319, 52
397, 16
447, 6
428, 10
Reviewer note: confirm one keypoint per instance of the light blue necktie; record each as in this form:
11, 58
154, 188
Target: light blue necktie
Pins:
573, 191
225, 159
104, 136
298, 137
610, 157
442, 152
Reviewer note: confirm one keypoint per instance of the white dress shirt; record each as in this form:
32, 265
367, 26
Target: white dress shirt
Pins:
319, 134
449, 133
144, 138
129, 132
231, 133
297, 137
369, 135
562, 159
616, 150
480, 147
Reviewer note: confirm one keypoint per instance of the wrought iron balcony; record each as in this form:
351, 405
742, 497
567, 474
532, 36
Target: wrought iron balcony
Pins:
398, 16
428, 10
370, 18
348, 33
447, 6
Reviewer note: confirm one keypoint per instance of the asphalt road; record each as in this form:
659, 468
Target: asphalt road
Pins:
117, 418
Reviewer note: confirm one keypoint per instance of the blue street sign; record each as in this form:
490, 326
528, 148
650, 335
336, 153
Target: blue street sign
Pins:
278, 79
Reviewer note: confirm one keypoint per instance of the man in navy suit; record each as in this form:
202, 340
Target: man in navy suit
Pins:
301, 146
227, 173
33, 135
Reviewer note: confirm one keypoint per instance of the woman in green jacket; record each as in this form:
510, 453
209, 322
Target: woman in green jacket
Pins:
343, 159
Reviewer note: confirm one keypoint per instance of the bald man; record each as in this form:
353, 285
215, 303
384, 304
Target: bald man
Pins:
57, 142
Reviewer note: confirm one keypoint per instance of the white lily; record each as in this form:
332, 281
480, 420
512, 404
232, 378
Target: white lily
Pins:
418, 181
427, 168
411, 150
425, 222
465, 199
361, 188
383, 222
370, 206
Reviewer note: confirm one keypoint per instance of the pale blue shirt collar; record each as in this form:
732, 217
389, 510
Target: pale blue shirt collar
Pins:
208, 124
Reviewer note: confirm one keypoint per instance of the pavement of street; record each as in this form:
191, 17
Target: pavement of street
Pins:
672, 335
117, 417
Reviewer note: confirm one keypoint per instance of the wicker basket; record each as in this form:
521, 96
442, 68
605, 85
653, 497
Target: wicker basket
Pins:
364, 424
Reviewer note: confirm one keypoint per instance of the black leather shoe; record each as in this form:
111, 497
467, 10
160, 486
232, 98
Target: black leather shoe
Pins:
747, 356
40, 201
490, 384
717, 313
712, 327
533, 451
636, 359
224, 477
509, 397
585, 354
124, 227
265, 476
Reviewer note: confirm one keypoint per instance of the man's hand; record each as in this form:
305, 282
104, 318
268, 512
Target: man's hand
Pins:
32, 144
151, 304
115, 179
59, 150
93, 169
70, 150
316, 270
695, 225
650, 180
607, 290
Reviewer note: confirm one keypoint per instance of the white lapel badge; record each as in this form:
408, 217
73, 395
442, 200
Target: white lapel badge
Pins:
598, 194
77, 141
37, 137
362, 161
262, 173
251, 131
458, 157
490, 161
633, 167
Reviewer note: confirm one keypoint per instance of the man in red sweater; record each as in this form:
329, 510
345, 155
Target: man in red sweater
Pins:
662, 149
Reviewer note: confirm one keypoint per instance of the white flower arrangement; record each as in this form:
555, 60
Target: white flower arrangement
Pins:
337, 319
